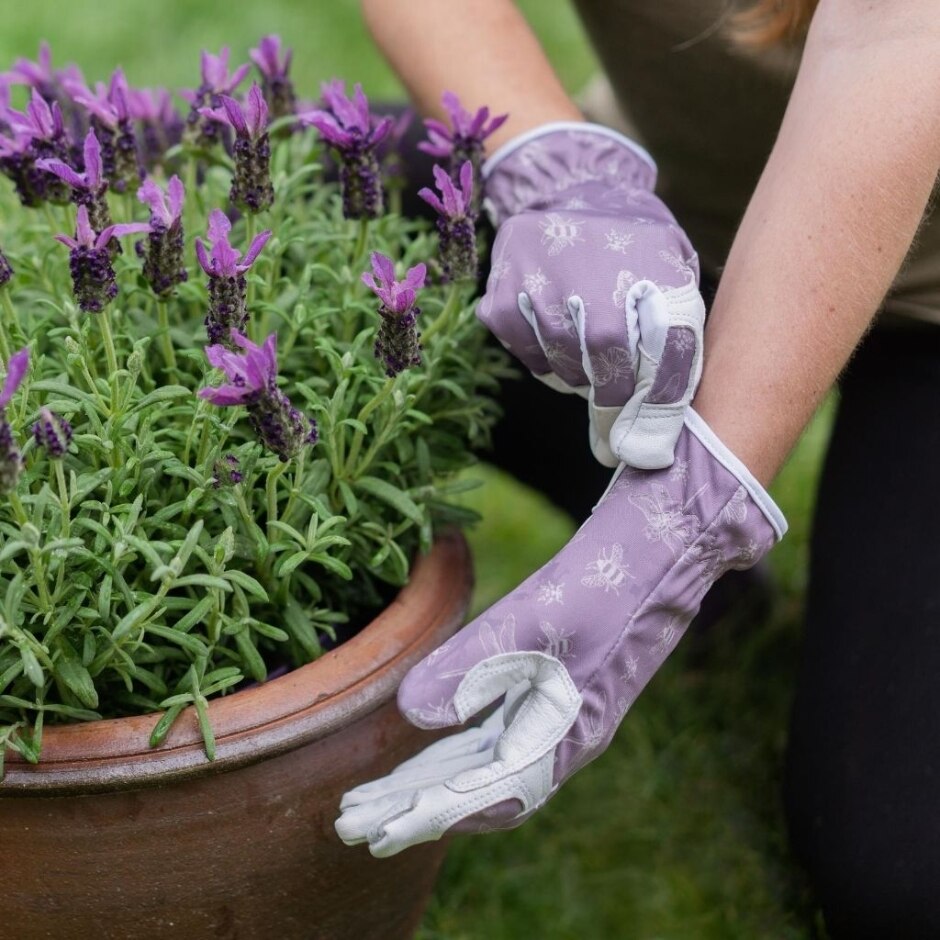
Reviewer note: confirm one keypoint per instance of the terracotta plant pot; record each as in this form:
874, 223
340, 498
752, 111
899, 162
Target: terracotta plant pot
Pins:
108, 838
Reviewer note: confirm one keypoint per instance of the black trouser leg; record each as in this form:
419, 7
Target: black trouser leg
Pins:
862, 784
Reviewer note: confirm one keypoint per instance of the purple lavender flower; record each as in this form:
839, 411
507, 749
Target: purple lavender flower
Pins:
277, 86
19, 165
228, 289
39, 134
4, 100
251, 184
252, 382
216, 81
163, 256
93, 278
159, 123
350, 128
463, 140
11, 460
53, 433
111, 121
398, 341
456, 222
41, 75
6, 270
226, 471
49, 83
88, 188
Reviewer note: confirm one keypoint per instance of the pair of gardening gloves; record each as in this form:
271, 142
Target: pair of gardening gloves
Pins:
594, 287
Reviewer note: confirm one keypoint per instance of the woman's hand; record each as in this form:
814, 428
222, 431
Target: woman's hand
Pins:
593, 285
564, 656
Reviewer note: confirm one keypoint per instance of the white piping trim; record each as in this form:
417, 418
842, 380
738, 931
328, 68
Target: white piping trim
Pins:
711, 442
512, 145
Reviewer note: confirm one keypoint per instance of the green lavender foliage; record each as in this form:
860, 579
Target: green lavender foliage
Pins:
128, 583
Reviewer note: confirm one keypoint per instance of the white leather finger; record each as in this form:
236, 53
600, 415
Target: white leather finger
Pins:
439, 808
671, 323
417, 776
438, 761
425, 769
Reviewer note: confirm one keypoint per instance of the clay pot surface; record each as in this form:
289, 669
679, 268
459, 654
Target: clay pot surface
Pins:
109, 839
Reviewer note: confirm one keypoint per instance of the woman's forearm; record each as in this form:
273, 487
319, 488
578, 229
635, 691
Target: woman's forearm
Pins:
481, 49
829, 225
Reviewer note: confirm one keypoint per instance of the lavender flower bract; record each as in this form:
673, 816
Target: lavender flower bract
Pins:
216, 81
53, 433
277, 86
111, 121
11, 460
93, 278
50, 84
251, 185
463, 140
228, 289
456, 222
88, 188
164, 267
38, 134
398, 342
350, 128
252, 382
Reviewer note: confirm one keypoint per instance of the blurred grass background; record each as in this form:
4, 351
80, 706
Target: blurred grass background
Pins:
676, 832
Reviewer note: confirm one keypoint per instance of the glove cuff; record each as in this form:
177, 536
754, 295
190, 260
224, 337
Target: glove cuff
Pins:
713, 444
544, 163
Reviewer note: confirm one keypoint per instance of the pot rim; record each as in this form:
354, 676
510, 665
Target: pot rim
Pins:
308, 703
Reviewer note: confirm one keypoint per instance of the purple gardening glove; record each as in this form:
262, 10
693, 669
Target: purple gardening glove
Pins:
593, 285
568, 651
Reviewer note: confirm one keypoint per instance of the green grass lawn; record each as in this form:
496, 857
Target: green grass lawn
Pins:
676, 832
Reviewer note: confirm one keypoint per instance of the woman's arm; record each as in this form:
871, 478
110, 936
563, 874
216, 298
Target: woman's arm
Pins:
832, 218
481, 49
829, 224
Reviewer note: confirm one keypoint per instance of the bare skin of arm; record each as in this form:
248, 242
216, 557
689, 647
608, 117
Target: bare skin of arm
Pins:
481, 49
830, 222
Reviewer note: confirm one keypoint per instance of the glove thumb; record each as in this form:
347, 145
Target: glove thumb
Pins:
426, 694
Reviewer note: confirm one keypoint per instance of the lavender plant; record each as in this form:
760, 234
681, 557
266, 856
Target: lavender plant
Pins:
206, 474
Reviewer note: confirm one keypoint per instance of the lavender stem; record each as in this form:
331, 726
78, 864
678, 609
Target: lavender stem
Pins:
63, 498
444, 317
270, 488
163, 321
361, 243
108, 337
364, 413
9, 315
35, 557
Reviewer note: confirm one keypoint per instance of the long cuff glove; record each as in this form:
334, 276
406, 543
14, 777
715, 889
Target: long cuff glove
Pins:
593, 285
567, 652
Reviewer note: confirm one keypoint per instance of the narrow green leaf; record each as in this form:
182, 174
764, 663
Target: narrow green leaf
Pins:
162, 728
31, 667
198, 613
291, 562
247, 583
395, 497
184, 640
76, 677
208, 736
254, 663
